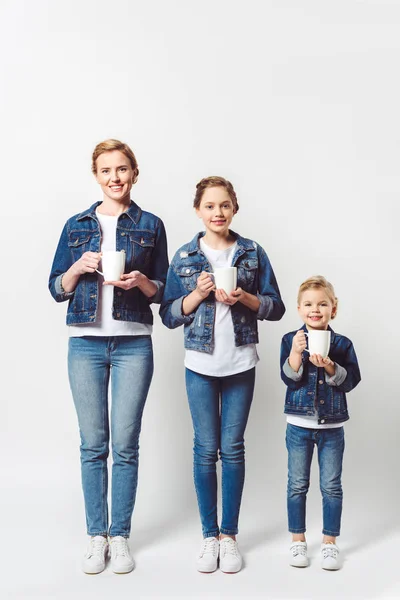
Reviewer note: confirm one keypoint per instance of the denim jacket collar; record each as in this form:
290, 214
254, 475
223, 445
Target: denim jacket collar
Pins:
243, 244
134, 212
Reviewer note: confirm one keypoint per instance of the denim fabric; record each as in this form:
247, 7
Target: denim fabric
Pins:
91, 361
300, 443
255, 275
220, 408
313, 393
141, 235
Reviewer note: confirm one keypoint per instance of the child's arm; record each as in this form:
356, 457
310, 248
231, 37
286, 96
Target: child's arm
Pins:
171, 305
348, 367
291, 359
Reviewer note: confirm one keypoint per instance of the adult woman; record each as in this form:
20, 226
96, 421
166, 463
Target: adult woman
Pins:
220, 341
110, 330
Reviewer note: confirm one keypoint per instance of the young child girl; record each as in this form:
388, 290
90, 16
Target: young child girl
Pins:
316, 409
220, 341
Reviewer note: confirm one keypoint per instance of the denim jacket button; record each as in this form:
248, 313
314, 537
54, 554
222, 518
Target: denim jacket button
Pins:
322, 421
322, 401
119, 293
187, 270
123, 233
320, 382
118, 315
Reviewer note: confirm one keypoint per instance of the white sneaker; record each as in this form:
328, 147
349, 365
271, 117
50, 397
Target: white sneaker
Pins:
121, 559
94, 560
207, 561
230, 559
330, 557
298, 554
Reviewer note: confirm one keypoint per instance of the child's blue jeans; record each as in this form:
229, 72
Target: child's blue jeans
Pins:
220, 408
300, 443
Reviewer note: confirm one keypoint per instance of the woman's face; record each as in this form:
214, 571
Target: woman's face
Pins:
114, 175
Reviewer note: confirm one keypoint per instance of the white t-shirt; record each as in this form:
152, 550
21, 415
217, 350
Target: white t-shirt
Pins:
105, 324
226, 359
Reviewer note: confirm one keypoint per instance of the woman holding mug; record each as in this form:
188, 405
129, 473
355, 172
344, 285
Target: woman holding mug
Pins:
110, 326
220, 341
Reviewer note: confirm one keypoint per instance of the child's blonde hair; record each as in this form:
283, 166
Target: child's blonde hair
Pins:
319, 282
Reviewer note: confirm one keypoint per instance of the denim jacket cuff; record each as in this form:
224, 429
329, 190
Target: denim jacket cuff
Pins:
291, 373
265, 308
338, 377
157, 297
177, 313
61, 293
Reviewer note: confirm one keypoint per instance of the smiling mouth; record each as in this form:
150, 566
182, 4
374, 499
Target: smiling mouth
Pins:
116, 188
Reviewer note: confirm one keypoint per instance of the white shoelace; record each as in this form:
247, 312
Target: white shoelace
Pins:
299, 549
209, 547
119, 547
330, 551
229, 546
96, 547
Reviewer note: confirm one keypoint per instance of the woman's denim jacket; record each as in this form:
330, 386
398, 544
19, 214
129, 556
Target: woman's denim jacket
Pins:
254, 275
142, 236
311, 391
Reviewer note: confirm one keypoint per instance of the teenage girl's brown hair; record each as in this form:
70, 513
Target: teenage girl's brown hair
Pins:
215, 181
109, 146
319, 282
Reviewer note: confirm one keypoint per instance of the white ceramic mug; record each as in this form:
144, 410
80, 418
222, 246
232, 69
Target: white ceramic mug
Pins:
225, 279
318, 342
112, 264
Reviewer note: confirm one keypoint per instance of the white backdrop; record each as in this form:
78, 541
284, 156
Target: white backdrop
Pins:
297, 103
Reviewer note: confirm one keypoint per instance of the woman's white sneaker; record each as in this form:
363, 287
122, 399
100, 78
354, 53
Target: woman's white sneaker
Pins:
94, 560
298, 554
207, 560
121, 558
330, 557
230, 559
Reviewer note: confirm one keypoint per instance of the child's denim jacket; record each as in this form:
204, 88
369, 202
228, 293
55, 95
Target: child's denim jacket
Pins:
311, 390
254, 275
142, 236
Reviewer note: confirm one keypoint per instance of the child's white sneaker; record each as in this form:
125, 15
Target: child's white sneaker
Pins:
330, 557
121, 559
298, 554
94, 560
230, 559
207, 560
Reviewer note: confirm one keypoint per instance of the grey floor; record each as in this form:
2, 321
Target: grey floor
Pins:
43, 541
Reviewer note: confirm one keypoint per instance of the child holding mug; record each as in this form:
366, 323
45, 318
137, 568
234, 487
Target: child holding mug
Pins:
220, 328
316, 409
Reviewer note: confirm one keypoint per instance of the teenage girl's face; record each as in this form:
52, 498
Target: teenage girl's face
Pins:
216, 210
115, 175
316, 309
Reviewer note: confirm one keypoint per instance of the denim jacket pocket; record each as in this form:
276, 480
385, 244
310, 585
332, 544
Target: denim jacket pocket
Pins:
79, 242
247, 271
188, 275
141, 247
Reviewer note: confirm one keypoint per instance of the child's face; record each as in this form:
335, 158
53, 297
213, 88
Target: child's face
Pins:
316, 309
216, 210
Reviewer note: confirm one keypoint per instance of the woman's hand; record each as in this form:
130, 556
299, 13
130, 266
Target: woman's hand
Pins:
299, 342
129, 280
231, 299
135, 279
205, 285
87, 263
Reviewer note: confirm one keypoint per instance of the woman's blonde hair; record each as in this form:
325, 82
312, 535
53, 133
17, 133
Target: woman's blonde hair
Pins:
215, 181
319, 282
109, 146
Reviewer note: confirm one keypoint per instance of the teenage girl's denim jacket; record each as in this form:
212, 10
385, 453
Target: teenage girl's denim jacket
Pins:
142, 236
254, 275
311, 391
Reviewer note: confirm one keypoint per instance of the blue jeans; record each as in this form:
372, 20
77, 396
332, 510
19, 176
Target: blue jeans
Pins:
91, 361
330, 446
220, 408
